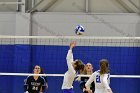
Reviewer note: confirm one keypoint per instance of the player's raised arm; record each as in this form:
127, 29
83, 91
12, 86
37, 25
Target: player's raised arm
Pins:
70, 56
73, 68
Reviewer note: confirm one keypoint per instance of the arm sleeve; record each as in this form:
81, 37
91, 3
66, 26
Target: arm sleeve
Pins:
26, 83
90, 80
69, 59
105, 81
43, 84
45, 79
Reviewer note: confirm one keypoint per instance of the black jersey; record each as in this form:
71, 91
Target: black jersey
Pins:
34, 86
83, 82
45, 78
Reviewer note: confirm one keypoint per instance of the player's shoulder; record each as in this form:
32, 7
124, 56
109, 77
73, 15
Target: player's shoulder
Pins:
29, 77
107, 74
42, 78
96, 72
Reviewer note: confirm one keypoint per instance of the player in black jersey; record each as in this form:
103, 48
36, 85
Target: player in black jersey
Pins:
83, 80
42, 72
35, 84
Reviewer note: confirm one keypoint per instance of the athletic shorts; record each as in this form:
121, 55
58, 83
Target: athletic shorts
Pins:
68, 90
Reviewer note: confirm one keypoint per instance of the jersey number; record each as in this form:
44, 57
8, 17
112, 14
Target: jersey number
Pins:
35, 88
98, 79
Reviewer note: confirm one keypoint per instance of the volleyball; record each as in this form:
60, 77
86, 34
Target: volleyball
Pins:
79, 30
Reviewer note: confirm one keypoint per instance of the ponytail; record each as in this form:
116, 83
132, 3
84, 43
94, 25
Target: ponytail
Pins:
79, 65
104, 66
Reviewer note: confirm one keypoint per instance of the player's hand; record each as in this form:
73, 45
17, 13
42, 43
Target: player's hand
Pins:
26, 92
90, 91
72, 45
47, 86
109, 91
78, 78
84, 89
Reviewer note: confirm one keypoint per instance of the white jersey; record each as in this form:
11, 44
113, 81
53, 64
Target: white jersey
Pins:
101, 82
70, 74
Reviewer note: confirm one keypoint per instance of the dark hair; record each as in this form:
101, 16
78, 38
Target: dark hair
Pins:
41, 71
104, 66
79, 65
35, 66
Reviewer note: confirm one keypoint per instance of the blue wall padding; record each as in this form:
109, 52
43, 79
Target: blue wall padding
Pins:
21, 59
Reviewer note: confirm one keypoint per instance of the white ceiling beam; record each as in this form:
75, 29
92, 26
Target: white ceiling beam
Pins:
129, 5
48, 5
87, 6
43, 5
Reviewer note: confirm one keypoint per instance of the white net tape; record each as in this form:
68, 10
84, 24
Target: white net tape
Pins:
61, 75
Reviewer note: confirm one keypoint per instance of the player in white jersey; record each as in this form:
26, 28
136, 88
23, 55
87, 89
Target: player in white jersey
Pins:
101, 79
73, 68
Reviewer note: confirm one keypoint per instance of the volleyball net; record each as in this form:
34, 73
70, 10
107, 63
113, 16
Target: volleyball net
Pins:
19, 54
